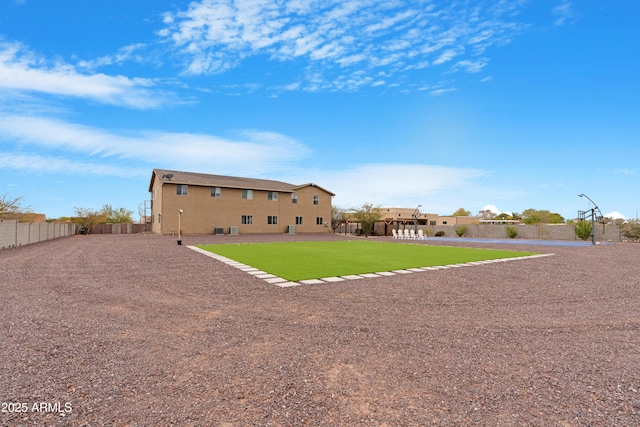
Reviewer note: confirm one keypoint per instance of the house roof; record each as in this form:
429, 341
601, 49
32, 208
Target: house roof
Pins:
207, 180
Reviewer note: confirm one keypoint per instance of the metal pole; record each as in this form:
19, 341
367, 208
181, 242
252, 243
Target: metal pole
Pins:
593, 226
180, 227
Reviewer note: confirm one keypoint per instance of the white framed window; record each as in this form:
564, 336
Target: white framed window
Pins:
272, 219
294, 198
182, 189
315, 199
216, 192
319, 220
272, 195
247, 219
247, 194
298, 220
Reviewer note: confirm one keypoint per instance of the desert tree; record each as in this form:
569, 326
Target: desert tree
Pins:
117, 216
367, 215
503, 216
86, 218
537, 216
338, 217
631, 229
461, 212
486, 214
12, 207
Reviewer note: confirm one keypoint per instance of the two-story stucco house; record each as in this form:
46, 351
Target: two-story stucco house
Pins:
206, 204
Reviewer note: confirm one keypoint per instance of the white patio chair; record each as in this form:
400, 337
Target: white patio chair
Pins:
394, 233
412, 234
406, 233
420, 234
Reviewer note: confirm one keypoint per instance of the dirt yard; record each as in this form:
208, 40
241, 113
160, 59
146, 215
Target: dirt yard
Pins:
134, 330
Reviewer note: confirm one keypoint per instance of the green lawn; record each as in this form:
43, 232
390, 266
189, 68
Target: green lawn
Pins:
311, 260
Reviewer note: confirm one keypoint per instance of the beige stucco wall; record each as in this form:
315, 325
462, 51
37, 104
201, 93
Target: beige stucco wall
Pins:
156, 206
202, 212
456, 220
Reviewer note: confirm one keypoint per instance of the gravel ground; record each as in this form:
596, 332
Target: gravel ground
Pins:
134, 330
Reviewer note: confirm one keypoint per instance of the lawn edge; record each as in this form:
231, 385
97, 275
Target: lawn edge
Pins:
285, 283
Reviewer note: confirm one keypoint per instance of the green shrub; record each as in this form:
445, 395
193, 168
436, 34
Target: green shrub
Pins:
512, 232
439, 233
583, 230
460, 230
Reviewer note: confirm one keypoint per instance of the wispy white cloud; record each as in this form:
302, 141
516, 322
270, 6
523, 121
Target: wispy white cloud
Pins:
563, 13
471, 66
36, 163
49, 145
625, 171
438, 88
437, 188
133, 52
338, 40
251, 151
436, 92
23, 71
447, 56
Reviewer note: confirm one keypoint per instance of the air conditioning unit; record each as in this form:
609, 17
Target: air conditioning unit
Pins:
219, 230
291, 229
233, 229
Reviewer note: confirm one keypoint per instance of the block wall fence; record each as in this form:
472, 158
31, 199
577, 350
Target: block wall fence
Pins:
14, 233
606, 233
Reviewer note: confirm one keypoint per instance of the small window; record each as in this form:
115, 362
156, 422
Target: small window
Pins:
319, 220
216, 192
272, 219
181, 189
315, 199
247, 219
298, 220
294, 198
272, 195
444, 222
247, 194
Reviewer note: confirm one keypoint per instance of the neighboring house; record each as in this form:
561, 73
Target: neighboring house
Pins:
400, 217
226, 204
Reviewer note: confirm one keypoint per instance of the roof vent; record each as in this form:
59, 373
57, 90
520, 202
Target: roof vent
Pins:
168, 176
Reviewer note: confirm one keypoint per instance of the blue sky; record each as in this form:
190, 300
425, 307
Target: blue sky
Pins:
447, 104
